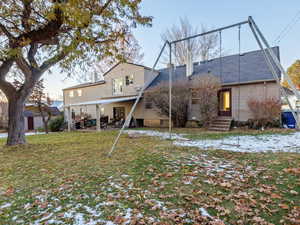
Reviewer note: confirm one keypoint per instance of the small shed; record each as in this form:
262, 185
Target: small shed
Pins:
33, 118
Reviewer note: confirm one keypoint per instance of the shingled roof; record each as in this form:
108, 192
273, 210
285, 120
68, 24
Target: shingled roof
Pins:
253, 69
30, 113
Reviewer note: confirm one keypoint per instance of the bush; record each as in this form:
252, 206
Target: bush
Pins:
265, 113
57, 124
205, 91
40, 129
159, 97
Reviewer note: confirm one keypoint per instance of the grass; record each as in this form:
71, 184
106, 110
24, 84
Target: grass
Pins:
67, 178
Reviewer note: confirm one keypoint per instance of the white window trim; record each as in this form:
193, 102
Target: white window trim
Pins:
113, 86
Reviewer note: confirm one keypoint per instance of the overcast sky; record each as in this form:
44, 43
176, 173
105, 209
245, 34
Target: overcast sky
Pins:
271, 16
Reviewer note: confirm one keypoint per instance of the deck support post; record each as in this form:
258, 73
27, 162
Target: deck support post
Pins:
69, 118
98, 117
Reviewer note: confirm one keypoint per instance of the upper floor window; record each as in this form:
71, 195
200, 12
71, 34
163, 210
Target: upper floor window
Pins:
117, 86
71, 94
129, 80
79, 92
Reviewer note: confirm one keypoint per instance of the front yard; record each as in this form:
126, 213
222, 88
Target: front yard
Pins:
67, 178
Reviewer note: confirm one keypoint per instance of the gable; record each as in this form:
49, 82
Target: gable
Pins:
124, 66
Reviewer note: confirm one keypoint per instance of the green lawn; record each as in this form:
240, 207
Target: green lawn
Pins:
67, 178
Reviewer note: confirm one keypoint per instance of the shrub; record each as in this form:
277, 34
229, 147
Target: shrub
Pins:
205, 91
159, 97
57, 124
40, 129
264, 112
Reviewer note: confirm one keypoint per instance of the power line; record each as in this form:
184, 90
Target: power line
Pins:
288, 28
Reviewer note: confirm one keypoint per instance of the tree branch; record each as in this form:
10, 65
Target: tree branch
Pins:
24, 66
5, 67
104, 6
31, 55
52, 61
5, 86
44, 34
6, 32
26, 14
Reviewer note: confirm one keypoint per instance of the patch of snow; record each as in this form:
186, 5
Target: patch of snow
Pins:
262, 143
79, 219
204, 213
6, 205
162, 135
4, 135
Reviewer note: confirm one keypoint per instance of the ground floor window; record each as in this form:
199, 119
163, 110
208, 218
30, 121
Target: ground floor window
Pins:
119, 113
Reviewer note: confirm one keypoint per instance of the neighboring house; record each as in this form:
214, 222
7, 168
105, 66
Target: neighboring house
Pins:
59, 104
292, 99
3, 114
115, 95
33, 118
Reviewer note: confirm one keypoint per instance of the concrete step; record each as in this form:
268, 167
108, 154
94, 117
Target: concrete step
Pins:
218, 129
221, 124
224, 118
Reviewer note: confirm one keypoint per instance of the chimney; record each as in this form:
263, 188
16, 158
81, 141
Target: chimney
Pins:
189, 64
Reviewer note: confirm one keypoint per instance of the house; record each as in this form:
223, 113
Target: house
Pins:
115, 95
3, 114
292, 99
33, 118
59, 104
3, 111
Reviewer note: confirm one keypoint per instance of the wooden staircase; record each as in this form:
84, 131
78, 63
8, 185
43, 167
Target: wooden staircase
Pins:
221, 124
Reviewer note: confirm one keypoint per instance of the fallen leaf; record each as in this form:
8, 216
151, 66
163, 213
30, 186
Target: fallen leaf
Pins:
284, 206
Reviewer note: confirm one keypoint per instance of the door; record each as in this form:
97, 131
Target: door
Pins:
225, 102
30, 123
119, 113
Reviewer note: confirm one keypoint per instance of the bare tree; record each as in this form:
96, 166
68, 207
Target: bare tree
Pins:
131, 52
201, 48
39, 99
205, 93
159, 97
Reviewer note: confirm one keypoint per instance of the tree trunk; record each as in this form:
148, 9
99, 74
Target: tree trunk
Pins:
45, 125
16, 131
45, 121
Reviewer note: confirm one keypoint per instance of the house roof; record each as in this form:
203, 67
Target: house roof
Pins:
57, 103
88, 84
105, 101
145, 67
30, 113
253, 68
